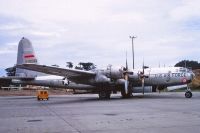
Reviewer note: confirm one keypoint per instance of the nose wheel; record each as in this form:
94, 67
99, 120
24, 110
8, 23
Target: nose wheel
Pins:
188, 94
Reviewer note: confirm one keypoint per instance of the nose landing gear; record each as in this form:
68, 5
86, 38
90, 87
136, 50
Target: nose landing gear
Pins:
188, 93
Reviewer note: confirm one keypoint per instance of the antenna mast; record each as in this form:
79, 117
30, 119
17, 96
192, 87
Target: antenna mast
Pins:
133, 37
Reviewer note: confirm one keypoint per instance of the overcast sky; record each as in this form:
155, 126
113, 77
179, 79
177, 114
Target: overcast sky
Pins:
98, 31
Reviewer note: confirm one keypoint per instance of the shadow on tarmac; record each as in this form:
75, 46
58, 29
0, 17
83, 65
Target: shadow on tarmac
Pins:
71, 100
86, 99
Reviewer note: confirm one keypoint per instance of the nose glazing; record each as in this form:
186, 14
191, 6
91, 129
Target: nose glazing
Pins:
192, 75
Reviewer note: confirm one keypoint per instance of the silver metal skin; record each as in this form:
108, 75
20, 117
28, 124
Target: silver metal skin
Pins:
110, 79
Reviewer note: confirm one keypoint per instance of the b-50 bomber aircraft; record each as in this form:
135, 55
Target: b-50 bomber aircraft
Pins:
105, 81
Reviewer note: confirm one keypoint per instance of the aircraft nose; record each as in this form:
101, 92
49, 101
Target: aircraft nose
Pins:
192, 75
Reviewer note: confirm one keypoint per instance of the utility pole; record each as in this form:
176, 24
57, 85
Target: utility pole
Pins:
133, 37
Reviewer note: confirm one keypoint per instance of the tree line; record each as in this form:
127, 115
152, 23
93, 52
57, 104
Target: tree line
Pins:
82, 66
188, 64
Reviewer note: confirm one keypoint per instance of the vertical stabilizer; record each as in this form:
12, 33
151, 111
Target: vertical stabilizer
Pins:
25, 55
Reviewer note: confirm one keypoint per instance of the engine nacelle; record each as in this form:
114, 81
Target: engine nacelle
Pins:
147, 89
102, 79
113, 73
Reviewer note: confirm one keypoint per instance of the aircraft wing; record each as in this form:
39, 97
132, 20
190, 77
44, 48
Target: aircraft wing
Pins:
65, 72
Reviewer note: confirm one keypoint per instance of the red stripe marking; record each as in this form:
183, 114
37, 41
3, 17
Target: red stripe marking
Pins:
29, 56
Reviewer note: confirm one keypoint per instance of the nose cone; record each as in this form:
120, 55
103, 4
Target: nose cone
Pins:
190, 77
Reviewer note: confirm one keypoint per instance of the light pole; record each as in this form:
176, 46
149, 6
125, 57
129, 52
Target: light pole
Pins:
132, 37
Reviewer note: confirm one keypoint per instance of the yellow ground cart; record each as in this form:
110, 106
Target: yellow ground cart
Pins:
42, 94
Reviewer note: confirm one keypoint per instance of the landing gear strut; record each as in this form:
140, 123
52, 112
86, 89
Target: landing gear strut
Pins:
188, 93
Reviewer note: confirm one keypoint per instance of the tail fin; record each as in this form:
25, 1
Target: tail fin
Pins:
25, 55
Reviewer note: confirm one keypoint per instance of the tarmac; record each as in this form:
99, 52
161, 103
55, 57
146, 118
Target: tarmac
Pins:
152, 113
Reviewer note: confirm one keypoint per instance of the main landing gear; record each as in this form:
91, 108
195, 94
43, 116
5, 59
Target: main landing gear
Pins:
188, 93
126, 94
104, 94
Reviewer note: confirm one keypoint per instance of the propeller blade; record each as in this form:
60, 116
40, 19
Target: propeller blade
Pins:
143, 77
143, 86
126, 83
143, 67
126, 63
126, 76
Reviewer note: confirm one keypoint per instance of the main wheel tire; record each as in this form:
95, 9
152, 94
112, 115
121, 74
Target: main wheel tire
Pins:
124, 95
104, 94
188, 94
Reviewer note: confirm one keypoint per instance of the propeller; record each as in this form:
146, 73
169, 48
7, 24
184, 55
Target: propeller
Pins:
143, 76
126, 76
126, 83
